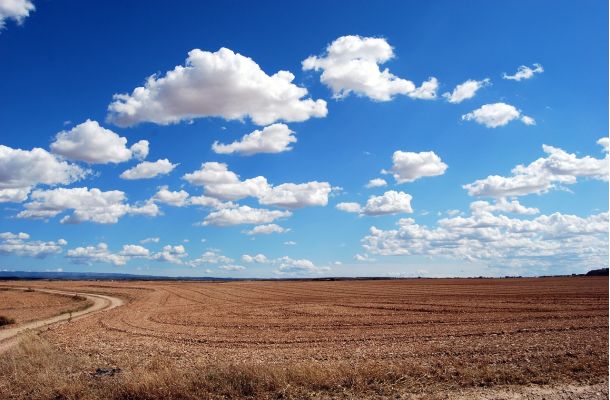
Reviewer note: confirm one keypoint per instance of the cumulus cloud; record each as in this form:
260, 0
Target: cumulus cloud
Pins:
466, 90
148, 169
287, 265
524, 72
349, 207
171, 254
377, 182
20, 245
134, 251
221, 84
150, 240
408, 166
243, 215
211, 257
232, 268
426, 91
21, 170
391, 202
292, 195
87, 204
92, 254
557, 168
221, 183
91, 143
274, 138
502, 205
257, 258
17, 10
351, 65
266, 230
497, 114
166, 196
487, 237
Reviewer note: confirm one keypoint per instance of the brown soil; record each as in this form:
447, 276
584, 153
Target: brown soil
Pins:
25, 306
342, 339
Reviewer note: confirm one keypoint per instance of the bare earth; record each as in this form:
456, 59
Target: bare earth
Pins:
420, 338
24, 306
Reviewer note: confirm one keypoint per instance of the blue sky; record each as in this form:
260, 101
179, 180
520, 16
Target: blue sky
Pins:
451, 205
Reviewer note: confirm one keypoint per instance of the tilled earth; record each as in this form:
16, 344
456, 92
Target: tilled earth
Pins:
24, 305
455, 332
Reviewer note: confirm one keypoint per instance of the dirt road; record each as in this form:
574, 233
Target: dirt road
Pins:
9, 337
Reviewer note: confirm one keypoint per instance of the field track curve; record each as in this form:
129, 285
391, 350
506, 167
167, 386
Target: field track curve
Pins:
10, 337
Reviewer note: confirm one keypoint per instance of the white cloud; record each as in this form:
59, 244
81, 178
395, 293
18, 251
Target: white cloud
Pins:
274, 138
408, 166
547, 240
243, 215
17, 10
211, 257
258, 258
232, 268
99, 253
290, 243
466, 90
502, 205
91, 143
377, 182
21, 170
223, 184
134, 251
177, 199
426, 91
292, 195
528, 120
349, 207
206, 201
363, 257
351, 65
221, 84
287, 265
497, 114
542, 175
524, 72
87, 204
20, 245
17, 195
604, 142
150, 240
220, 183
147, 169
391, 202
171, 254
266, 229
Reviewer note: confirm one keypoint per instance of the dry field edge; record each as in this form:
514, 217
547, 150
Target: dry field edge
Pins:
412, 339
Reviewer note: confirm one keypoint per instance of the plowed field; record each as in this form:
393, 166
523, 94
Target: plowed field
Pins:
438, 333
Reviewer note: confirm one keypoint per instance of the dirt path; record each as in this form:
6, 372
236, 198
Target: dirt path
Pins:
10, 337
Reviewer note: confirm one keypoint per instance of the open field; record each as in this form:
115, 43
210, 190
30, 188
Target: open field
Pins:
299, 339
27, 305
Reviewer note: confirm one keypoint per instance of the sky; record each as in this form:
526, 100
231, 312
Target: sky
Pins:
271, 140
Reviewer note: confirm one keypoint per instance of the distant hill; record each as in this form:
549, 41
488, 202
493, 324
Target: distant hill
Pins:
12, 275
598, 272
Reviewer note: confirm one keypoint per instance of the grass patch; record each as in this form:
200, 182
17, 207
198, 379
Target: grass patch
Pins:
4, 320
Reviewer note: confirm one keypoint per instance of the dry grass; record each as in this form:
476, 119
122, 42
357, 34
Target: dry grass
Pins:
36, 370
271, 340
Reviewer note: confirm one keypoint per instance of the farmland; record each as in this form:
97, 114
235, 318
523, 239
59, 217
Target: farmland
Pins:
378, 338
27, 305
